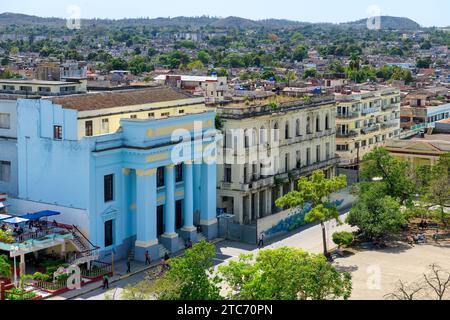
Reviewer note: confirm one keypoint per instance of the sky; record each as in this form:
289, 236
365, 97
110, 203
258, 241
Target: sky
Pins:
425, 12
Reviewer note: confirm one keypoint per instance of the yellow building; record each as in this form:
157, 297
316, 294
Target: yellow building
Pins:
420, 151
366, 118
100, 113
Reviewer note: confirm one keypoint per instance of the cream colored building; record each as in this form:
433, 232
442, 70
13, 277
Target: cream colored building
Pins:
41, 87
365, 119
268, 145
420, 151
100, 113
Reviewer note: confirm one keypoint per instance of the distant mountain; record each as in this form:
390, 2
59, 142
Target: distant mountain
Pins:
8, 19
387, 22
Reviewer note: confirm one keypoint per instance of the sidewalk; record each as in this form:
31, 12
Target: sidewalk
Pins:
120, 268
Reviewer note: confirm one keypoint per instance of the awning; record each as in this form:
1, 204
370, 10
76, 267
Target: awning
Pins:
40, 214
4, 216
15, 220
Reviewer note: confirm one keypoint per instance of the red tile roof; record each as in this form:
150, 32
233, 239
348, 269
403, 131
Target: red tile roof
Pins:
112, 99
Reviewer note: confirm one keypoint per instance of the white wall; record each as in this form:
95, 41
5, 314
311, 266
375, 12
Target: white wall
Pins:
70, 216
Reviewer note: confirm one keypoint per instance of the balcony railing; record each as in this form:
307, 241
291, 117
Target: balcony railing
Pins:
351, 133
370, 129
350, 115
369, 111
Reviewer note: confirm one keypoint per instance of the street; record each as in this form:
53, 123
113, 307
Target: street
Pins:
308, 238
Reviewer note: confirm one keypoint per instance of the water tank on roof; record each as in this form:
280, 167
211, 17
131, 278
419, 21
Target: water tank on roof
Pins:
317, 90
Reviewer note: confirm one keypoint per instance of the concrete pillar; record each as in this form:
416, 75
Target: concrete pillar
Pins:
256, 205
170, 237
269, 201
22, 266
146, 237
188, 231
197, 171
208, 214
169, 212
238, 209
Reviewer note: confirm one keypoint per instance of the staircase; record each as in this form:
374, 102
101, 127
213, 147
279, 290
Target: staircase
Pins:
132, 254
87, 251
163, 250
201, 237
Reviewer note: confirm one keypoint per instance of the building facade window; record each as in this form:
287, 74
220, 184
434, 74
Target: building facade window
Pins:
105, 125
109, 238
308, 125
179, 214
318, 155
57, 132
297, 128
5, 121
108, 187
5, 171
308, 156
318, 124
165, 114
286, 131
227, 173
179, 173
88, 128
160, 177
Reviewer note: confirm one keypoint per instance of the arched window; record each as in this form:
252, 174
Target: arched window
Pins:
327, 122
275, 132
297, 128
254, 137
308, 125
262, 135
246, 139
286, 131
318, 124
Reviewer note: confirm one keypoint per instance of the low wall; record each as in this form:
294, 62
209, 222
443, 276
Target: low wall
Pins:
289, 220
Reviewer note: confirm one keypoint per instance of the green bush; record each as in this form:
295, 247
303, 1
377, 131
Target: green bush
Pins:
40, 276
343, 238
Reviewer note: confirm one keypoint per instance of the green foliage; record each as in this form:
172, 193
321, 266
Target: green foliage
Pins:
219, 122
19, 294
5, 237
285, 274
343, 238
5, 266
310, 73
423, 63
300, 53
188, 278
315, 190
397, 176
376, 214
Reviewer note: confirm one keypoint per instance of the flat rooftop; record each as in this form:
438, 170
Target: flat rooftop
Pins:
36, 82
112, 99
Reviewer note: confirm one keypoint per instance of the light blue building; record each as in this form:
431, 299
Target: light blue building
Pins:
147, 187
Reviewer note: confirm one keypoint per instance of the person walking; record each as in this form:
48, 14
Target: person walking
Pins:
147, 258
261, 241
105, 282
129, 265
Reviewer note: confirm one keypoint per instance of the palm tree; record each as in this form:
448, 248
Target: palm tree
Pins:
355, 61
